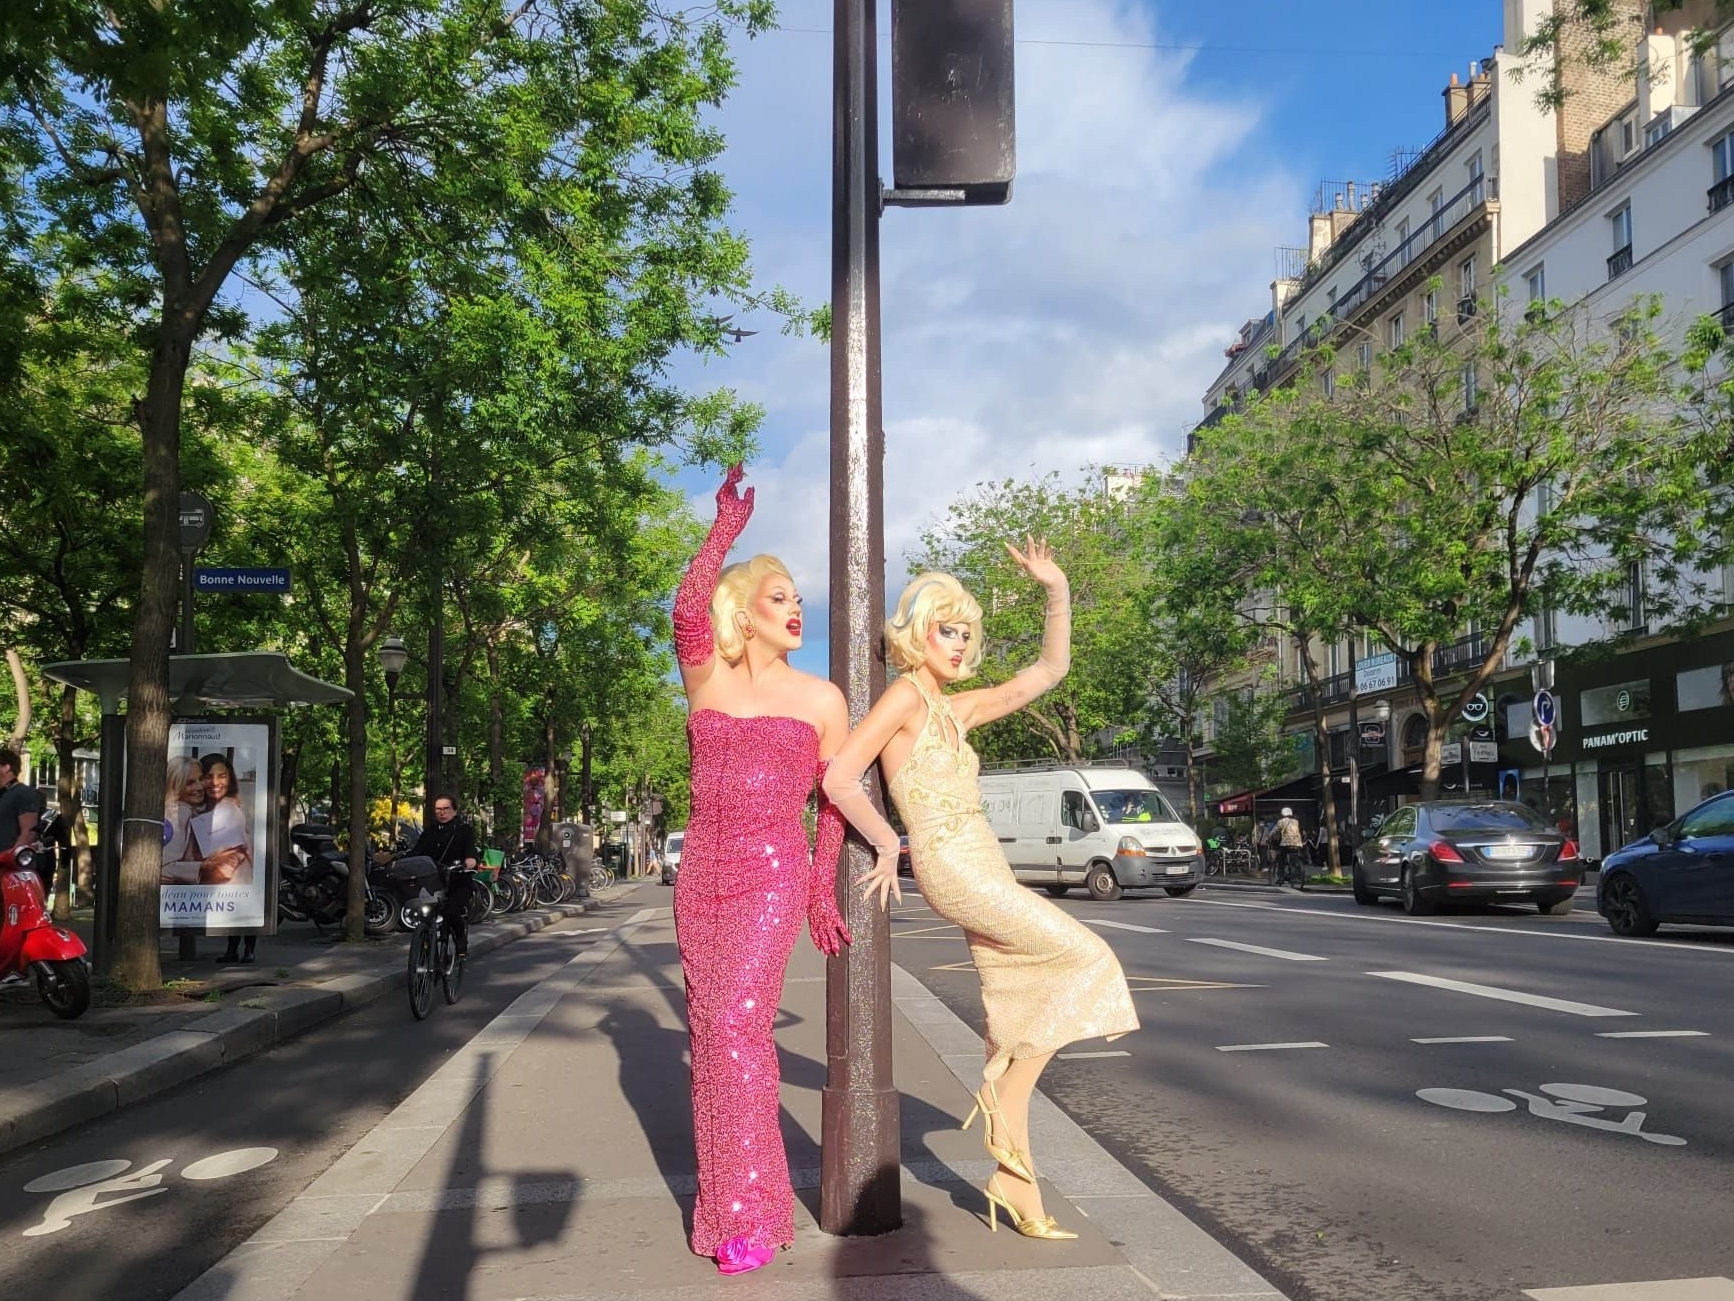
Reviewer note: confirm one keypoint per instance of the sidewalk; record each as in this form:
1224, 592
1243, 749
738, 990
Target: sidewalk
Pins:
551, 1157
55, 1074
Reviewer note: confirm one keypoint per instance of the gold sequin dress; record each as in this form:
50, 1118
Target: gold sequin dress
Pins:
1046, 980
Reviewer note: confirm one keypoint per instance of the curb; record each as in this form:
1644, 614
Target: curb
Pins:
119, 1079
1159, 1243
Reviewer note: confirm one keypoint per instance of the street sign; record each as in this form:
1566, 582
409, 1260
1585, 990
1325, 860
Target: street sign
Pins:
1372, 734
1376, 673
1483, 752
448, 749
1546, 708
196, 516
241, 580
1541, 736
1476, 709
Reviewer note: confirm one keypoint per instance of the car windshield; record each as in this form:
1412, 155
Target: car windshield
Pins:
676, 840
1133, 806
1485, 817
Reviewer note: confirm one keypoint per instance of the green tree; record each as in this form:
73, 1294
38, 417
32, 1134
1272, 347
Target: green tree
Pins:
1251, 752
1603, 35
1093, 542
184, 144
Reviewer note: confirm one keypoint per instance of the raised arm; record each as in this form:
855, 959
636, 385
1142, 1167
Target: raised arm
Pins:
694, 639
977, 708
842, 784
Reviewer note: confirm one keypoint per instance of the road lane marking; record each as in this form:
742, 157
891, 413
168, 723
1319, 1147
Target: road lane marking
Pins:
1262, 952
1553, 933
1501, 995
1466, 1039
1264, 1048
1174, 984
1123, 926
1673, 1289
1652, 1034
1082, 1057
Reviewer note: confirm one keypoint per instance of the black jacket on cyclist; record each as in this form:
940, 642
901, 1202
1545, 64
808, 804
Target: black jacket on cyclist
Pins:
452, 845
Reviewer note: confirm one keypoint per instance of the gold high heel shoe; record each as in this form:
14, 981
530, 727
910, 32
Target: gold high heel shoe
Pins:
1010, 1157
1030, 1228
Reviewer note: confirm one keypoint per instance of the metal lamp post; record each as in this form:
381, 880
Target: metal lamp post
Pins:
393, 655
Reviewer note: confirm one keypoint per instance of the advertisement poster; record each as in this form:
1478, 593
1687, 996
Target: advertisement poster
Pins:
535, 800
217, 826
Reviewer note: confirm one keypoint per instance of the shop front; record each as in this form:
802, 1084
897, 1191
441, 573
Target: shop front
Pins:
1644, 736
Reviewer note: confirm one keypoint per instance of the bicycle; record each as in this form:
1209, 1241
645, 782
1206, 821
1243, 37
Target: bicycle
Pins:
433, 956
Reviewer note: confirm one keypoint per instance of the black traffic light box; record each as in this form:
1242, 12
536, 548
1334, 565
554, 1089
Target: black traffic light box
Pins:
953, 124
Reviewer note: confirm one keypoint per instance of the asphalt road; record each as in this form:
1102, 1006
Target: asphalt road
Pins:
195, 1171
1282, 1092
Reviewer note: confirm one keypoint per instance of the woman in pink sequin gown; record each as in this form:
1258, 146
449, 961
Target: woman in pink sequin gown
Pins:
759, 730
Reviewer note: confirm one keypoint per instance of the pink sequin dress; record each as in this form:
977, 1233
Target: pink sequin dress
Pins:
747, 881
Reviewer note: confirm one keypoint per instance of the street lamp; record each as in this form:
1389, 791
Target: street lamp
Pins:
393, 655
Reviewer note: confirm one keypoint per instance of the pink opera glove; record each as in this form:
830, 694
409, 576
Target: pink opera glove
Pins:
694, 639
824, 921
739, 1256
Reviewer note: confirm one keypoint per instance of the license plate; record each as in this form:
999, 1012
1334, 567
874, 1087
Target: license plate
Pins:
1509, 851
1177, 869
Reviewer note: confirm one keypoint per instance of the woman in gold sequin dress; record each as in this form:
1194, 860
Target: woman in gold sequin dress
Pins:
1046, 980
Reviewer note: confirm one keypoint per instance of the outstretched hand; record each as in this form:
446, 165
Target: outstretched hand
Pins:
1037, 560
732, 507
882, 878
828, 929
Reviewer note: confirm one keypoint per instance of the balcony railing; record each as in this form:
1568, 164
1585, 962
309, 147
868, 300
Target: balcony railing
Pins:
1620, 263
1722, 194
1461, 656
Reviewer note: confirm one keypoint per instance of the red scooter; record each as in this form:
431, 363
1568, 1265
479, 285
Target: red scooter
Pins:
30, 942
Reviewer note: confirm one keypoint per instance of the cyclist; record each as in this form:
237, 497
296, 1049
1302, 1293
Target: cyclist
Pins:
451, 843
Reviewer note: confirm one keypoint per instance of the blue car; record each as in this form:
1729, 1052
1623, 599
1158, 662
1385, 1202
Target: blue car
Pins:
1681, 873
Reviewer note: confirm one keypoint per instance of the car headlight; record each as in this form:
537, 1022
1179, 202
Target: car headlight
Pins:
1131, 847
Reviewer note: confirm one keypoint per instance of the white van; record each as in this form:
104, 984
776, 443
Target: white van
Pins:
1105, 828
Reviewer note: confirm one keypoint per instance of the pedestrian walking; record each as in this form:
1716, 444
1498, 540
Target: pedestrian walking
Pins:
1046, 979
758, 729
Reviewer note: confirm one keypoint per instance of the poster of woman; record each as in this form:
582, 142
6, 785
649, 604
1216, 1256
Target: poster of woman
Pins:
216, 818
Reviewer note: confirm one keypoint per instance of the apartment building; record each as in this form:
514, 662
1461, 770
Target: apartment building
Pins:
1625, 189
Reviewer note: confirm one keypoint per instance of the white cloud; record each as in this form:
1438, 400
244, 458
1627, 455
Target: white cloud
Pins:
1079, 324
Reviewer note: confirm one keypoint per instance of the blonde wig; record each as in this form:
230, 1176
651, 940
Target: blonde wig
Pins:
930, 599
735, 589
181, 767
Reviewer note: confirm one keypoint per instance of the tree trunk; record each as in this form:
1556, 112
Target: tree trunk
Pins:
551, 750
354, 677
67, 795
586, 783
21, 687
1438, 720
136, 960
1322, 739
1431, 762
497, 749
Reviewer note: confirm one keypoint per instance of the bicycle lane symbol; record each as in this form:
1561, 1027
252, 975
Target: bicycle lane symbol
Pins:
1571, 1104
99, 1185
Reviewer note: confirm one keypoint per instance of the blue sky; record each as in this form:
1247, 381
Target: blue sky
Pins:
1164, 151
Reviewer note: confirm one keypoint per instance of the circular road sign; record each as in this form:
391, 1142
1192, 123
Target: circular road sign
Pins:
1477, 708
1541, 736
1546, 709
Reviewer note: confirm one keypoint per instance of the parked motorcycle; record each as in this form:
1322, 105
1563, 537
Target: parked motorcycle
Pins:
30, 942
314, 884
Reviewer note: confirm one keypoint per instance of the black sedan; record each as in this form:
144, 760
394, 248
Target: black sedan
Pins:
1487, 852
1683, 872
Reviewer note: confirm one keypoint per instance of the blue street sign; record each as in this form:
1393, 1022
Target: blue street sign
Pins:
1546, 708
241, 580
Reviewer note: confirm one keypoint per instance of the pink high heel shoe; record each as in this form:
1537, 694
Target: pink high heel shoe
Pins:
739, 1256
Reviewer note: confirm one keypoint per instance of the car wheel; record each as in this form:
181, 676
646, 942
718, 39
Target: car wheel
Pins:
1363, 892
1624, 907
1415, 903
1058, 891
1180, 891
1101, 883
1554, 907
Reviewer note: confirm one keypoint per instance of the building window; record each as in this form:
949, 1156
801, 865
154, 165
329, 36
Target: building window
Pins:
1403, 243
1436, 205
1628, 135
1633, 594
1365, 355
1722, 166
1396, 330
1468, 277
1535, 285
1620, 224
1725, 280
1658, 130
1430, 308
1471, 393
1475, 178
1330, 382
